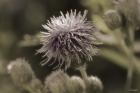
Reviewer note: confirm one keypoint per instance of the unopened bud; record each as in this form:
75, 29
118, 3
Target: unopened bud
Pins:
56, 82
112, 19
94, 85
20, 71
76, 85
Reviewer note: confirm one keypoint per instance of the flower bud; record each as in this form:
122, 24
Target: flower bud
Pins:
93, 85
56, 82
113, 19
130, 9
20, 71
76, 85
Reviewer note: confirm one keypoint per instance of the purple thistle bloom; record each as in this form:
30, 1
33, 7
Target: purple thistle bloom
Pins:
69, 38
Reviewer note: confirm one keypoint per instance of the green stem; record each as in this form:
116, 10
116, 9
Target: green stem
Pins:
82, 70
130, 69
131, 37
128, 52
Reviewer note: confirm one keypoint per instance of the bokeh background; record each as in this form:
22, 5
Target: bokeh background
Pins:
20, 23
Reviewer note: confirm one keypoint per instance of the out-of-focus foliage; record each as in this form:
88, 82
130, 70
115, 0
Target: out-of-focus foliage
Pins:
118, 21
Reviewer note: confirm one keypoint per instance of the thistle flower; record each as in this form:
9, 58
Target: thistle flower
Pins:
69, 38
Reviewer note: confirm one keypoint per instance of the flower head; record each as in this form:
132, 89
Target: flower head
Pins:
69, 38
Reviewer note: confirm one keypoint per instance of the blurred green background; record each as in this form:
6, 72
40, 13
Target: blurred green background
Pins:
20, 22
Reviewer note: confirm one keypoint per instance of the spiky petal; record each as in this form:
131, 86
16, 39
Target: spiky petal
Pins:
69, 38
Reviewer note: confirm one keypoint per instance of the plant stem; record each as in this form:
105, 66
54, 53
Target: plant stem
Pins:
82, 70
128, 52
130, 69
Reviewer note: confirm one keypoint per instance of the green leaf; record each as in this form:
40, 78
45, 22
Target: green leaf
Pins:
119, 59
115, 57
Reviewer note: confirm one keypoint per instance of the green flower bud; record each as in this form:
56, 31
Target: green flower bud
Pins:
20, 71
56, 82
112, 19
76, 85
131, 11
93, 85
